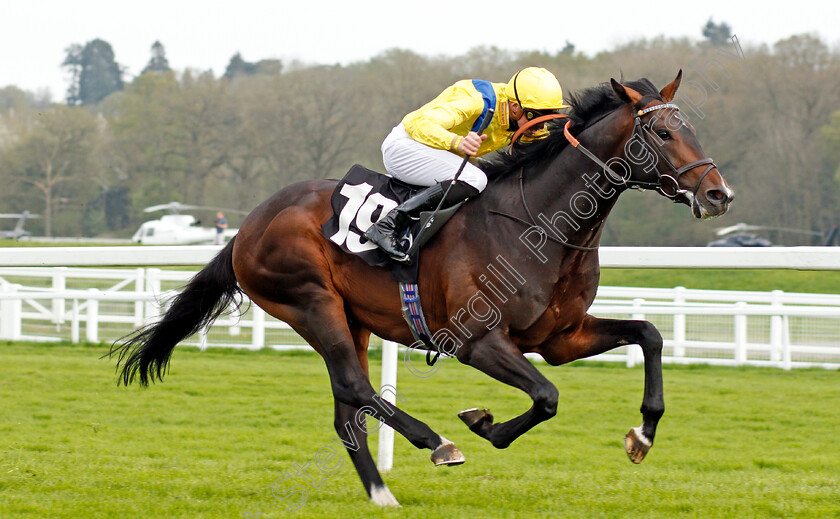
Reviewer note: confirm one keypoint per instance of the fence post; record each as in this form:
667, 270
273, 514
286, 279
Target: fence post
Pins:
139, 286
787, 362
387, 391
17, 316
776, 326
740, 334
633, 350
16, 321
10, 313
5, 312
236, 315
153, 287
202, 337
679, 323
74, 322
258, 330
92, 328
59, 284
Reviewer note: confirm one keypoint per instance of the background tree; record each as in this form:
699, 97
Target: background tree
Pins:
168, 138
158, 62
15, 104
238, 67
13, 100
56, 151
231, 141
569, 48
830, 134
94, 73
717, 33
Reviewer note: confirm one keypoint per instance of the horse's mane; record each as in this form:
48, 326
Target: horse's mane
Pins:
587, 107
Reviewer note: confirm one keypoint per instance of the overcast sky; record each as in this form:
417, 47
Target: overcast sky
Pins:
205, 34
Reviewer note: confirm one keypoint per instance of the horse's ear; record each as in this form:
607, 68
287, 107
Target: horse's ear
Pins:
668, 92
625, 93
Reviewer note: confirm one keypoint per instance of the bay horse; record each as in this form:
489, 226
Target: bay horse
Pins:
283, 263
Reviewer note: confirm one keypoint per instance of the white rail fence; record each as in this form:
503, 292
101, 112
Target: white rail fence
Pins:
717, 327
53, 304
709, 326
802, 258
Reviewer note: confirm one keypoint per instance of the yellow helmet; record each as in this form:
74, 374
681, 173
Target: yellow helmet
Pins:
536, 88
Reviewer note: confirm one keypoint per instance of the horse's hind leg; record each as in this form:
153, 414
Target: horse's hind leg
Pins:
355, 439
350, 426
325, 327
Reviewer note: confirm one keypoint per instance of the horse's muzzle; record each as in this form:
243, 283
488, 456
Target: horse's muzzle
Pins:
712, 202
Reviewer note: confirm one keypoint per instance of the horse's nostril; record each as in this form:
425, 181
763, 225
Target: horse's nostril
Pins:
715, 195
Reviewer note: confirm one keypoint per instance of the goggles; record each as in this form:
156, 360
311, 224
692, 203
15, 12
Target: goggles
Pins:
532, 114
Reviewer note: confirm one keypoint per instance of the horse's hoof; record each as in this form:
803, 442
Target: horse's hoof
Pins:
636, 445
381, 496
447, 454
475, 418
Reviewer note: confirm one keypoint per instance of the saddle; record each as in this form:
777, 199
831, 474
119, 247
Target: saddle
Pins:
359, 200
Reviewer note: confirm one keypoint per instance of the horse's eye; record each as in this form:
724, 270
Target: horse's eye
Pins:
663, 134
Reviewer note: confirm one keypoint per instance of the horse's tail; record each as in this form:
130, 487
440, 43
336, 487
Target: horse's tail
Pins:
208, 294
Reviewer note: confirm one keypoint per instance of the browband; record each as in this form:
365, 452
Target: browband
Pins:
657, 107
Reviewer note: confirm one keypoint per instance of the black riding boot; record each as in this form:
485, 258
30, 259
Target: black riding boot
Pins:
386, 232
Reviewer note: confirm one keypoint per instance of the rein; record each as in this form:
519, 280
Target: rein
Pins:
533, 220
533, 122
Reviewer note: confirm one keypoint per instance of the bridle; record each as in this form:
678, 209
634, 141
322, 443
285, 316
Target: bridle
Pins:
673, 190
639, 129
666, 184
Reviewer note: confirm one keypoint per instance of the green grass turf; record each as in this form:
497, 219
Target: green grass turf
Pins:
820, 282
211, 440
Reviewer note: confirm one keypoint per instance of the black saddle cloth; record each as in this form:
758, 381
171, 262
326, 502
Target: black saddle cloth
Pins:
359, 200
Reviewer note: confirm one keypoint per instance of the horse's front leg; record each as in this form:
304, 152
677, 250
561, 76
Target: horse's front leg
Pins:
596, 336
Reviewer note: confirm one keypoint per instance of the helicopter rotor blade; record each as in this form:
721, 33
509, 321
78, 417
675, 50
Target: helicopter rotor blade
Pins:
744, 227
738, 227
176, 207
223, 209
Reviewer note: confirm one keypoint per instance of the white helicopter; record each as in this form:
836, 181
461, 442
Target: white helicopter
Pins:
179, 229
741, 235
17, 232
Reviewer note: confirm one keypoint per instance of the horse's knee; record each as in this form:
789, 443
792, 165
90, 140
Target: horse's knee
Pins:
649, 337
545, 400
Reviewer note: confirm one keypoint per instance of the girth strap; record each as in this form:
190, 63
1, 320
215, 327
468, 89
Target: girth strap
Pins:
412, 311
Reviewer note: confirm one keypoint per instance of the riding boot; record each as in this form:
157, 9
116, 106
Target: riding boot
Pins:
386, 232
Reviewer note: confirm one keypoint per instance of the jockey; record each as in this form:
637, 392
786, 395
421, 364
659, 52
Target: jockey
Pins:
429, 145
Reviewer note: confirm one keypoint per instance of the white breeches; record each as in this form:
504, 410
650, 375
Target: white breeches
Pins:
415, 163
